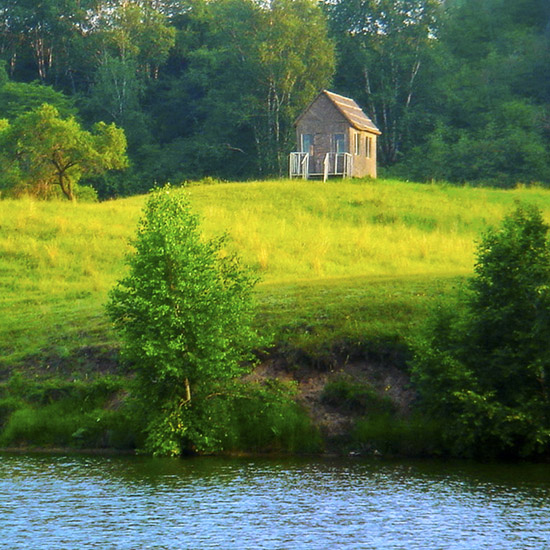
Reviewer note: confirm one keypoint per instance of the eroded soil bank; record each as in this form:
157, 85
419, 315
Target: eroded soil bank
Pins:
386, 375
383, 375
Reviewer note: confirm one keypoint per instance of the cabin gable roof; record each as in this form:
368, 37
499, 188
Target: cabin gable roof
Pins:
349, 109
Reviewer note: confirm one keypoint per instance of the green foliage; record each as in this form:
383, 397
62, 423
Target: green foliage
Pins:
80, 394
508, 150
390, 435
85, 193
349, 395
483, 108
3, 74
266, 417
484, 365
8, 405
18, 98
450, 83
57, 411
510, 300
282, 51
41, 150
184, 313
245, 417
115, 97
138, 32
56, 425
383, 46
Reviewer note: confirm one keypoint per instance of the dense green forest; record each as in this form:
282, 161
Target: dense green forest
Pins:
459, 88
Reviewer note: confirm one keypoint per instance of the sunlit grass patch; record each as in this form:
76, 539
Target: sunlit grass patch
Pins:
352, 259
321, 317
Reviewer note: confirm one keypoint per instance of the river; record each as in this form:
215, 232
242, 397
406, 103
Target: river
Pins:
136, 503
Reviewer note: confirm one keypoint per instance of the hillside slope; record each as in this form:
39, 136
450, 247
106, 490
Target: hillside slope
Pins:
346, 268
313, 245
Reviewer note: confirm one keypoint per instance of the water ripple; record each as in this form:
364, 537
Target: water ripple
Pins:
68, 503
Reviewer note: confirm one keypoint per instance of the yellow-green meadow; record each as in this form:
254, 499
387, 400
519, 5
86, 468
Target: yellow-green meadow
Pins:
343, 260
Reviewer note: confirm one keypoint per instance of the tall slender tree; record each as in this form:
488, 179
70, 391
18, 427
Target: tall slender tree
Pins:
184, 313
383, 45
257, 66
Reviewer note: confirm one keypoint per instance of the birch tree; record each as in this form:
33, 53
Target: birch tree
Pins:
184, 314
382, 46
260, 65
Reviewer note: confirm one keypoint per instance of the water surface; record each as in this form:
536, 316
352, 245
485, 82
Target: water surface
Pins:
136, 503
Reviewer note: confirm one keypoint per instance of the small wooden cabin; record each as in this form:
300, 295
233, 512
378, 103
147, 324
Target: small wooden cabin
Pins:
335, 138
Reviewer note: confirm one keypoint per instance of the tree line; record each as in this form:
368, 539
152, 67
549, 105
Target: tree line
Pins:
459, 88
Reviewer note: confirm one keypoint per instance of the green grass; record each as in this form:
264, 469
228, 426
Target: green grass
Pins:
345, 261
324, 320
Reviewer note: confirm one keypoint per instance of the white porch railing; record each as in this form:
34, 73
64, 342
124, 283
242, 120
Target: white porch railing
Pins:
337, 164
334, 164
299, 165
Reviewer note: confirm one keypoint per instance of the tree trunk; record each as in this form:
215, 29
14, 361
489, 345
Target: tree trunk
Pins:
187, 390
67, 189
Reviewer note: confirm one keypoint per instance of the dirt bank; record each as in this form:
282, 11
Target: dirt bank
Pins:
386, 378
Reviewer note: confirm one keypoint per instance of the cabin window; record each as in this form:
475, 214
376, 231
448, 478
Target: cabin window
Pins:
340, 143
368, 147
356, 143
307, 143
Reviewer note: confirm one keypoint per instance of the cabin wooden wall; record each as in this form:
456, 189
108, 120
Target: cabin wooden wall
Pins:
362, 165
322, 120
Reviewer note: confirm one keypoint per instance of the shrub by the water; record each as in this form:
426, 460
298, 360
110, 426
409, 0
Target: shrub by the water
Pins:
267, 418
391, 435
484, 366
184, 313
66, 413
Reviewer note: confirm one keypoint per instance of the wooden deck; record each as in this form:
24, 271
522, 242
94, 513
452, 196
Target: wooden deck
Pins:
334, 164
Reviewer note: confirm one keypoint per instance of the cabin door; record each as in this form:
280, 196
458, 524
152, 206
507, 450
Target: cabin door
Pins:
308, 142
338, 147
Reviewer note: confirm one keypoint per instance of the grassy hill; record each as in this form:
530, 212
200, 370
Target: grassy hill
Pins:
341, 264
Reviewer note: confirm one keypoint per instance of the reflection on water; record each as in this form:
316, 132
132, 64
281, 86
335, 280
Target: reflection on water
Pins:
75, 502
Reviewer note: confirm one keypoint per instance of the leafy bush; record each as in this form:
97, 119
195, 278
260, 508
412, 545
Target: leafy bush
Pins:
58, 424
81, 394
484, 366
184, 313
85, 193
267, 418
56, 411
7, 406
387, 434
352, 396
